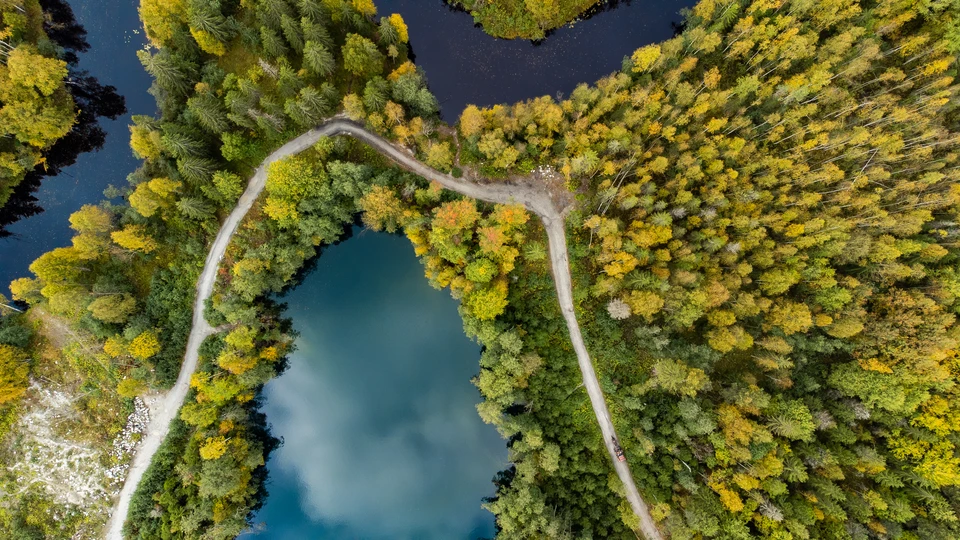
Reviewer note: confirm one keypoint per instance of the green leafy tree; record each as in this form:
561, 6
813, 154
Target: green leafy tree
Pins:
361, 56
115, 308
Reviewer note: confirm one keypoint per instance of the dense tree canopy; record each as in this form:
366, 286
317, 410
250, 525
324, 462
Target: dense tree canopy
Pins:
767, 258
763, 249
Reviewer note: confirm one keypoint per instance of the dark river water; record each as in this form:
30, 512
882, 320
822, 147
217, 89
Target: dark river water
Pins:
382, 439
113, 31
466, 66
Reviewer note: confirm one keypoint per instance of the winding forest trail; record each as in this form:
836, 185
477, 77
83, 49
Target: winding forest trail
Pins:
535, 200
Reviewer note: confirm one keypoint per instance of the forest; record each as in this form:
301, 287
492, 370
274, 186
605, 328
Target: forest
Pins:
526, 19
766, 250
763, 248
51, 109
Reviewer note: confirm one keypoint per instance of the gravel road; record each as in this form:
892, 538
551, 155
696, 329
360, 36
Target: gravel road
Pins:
537, 202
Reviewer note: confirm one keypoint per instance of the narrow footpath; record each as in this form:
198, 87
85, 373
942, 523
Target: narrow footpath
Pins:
534, 200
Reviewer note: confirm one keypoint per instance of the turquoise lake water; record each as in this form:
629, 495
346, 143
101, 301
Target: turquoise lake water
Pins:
377, 412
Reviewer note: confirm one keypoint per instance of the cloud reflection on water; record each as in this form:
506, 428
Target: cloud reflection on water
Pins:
377, 410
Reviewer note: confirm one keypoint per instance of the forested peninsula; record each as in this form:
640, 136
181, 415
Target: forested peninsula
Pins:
762, 237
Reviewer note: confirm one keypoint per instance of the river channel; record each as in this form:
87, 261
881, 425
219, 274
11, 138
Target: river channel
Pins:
114, 34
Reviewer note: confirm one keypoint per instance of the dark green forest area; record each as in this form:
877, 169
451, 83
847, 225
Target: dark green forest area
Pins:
764, 250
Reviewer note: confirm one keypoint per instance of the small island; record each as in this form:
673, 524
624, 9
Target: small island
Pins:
526, 19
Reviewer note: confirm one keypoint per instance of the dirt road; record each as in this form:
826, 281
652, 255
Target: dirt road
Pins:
536, 201
169, 406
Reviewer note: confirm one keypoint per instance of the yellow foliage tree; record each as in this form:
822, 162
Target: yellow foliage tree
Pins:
402, 69
31, 69
489, 302
241, 338
235, 362
621, 264
791, 317
145, 345
145, 142
845, 328
353, 107
644, 303
398, 24
365, 7
471, 121
729, 498
382, 210
115, 308
36, 120
14, 370
161, 18
153, 195
208, 42
90, 219
439, 156
130, 388
644, 57
114, 346
26, 289
135, 238
213, 448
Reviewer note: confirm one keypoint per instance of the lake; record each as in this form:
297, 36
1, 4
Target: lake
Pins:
382, 437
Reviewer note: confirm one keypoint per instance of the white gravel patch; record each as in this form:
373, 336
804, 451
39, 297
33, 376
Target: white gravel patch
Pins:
69, 471
126, 443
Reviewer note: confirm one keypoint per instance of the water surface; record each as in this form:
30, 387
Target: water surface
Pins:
464, 65
377, 413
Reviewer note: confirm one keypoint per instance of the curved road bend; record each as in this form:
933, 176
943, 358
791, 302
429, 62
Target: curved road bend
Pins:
537, 202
